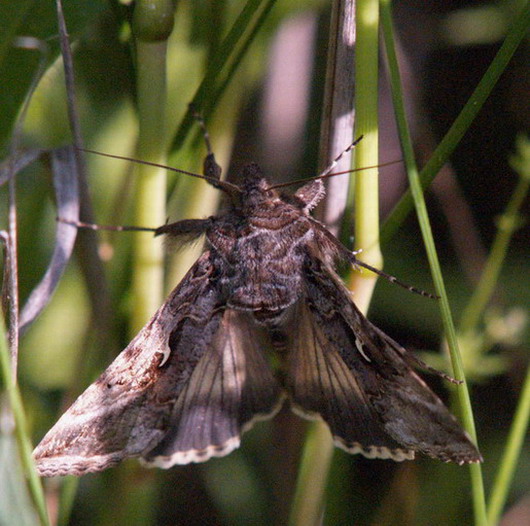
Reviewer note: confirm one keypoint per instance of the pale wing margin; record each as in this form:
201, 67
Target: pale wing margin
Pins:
123, 413
320, 384
403, 406
231, 387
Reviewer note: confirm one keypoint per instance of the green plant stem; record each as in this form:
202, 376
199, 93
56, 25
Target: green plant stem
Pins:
515, 35
421, 210
21, 430
230, 53
310, 497
152, 24
367, 151
511, 454
66, 500
508, 223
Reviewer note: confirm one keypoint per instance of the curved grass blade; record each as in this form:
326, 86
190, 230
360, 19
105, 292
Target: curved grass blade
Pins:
64, 168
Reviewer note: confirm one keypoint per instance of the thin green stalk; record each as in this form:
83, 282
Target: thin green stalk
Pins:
21, 430
367, 151
515, 35
239, 37
421, 210
508, 462
67, 495
220, 86
152, 25
310, 496
508, 223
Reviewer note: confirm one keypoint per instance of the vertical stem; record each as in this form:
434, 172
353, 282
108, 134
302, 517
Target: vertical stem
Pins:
430, 248
367, 151
152, 25
21, 429
507, 225
310, 495
338, 113
12, 263
508, 462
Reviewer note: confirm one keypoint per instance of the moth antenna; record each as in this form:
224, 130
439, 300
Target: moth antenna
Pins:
334, 174
92, 226
225, 186
326, 172
358, 263
335, 161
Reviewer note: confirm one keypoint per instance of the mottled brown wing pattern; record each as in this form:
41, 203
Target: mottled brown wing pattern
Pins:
231, 387
320, 384
390, 405
183, 391
124, 413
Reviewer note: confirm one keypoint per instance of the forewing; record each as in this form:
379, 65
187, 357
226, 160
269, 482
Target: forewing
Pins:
231, 387
368, 368
127, 410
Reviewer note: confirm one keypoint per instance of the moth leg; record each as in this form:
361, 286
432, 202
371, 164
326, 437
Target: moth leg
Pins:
313, 191
350, 256
413, 360
185, 230
210, 167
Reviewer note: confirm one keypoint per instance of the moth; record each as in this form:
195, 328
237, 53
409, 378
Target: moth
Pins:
197, 376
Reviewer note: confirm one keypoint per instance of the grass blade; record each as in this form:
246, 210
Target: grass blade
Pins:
423, 218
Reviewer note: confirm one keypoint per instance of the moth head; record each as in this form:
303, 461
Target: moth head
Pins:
253, 180
254, 186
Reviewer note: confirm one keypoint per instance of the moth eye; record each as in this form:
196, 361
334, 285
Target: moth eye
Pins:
110, 386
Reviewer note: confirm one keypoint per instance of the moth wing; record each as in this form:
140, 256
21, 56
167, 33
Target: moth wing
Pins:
124, 412
367, 367
231, 387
